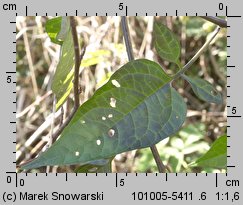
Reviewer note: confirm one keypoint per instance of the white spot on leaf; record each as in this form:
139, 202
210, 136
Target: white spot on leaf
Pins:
76, 154
177, 116
83, 122
103, 118
98, 142
112, 102
111, 132
110, 116
115, 83
93, 169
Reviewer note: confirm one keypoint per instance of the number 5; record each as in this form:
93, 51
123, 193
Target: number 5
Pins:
121, 6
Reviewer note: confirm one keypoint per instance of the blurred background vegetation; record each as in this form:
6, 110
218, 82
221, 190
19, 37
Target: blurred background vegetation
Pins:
37, 58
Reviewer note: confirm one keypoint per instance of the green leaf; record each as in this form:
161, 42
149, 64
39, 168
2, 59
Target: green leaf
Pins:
166, 43
53, 27
136, 108
62, 81
204, 90
65, 25
97, 166
216, 157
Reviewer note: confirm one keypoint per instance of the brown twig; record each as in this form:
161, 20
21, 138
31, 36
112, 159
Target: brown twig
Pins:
77, 62
125, 29
218, 21
160, 165
126, 35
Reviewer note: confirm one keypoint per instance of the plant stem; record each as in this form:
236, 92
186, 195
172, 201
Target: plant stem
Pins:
127, 38
197, 55
49, 143
126, 34
77, 61
159, 163
218, 21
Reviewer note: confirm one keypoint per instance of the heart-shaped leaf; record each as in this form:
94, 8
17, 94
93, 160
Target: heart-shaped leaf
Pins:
204, 90
166, 43
53, 27
62, 81
136, 108
216, 156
